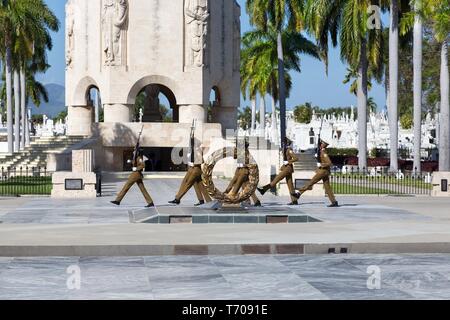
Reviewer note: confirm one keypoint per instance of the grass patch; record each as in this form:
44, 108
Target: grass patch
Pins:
342, 188
383, 181
26, 186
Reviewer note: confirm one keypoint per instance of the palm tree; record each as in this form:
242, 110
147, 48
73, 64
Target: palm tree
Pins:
406, 25
346, 20
16, 111
413, 20
393, 84
248, 83
25, 26
261, 49
35, 40
417, 63
437, 12
279, 14
5, 38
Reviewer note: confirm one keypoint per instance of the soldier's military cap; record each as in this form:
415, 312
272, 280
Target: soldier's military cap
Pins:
324, 142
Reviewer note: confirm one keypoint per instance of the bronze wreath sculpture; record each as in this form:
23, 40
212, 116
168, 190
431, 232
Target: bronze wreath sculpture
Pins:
248, 188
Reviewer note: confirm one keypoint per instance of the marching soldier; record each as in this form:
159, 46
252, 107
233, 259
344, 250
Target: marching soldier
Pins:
323, 173
193, 177
286, 171
136, 177
240, 179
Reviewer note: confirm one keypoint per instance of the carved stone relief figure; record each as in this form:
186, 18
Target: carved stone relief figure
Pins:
114, 24
70, 37
197, 15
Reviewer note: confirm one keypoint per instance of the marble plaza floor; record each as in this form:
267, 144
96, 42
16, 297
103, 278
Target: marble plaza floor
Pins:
405, 239
267, 277
49, 227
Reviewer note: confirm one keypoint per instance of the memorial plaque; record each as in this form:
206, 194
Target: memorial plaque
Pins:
74, 184
444, 185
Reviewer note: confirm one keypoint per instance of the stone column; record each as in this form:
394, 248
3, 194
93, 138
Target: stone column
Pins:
80, 121
226, 116
189, 112
117, 113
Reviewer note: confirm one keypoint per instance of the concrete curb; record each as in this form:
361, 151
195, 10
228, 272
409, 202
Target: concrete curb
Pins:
223, 249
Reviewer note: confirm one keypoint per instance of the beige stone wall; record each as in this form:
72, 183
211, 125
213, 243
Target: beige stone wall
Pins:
154, 49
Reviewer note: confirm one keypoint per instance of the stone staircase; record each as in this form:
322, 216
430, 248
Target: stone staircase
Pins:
306, 162
35, 155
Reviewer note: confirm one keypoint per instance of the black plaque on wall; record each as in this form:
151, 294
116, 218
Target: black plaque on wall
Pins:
74, 184
444, 185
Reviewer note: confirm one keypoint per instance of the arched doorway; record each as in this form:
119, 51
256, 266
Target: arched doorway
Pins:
155, 103
94, 100
214, 102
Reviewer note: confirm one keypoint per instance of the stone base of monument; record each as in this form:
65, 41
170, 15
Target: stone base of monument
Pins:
81, 182
198, 215
300, 179
74, 185
441, 184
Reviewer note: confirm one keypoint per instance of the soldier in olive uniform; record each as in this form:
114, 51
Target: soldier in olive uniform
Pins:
240, 179
136, 177
323, 173
193, 178
286, 171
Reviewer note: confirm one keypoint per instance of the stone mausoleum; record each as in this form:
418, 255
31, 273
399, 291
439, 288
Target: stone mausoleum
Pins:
186, 50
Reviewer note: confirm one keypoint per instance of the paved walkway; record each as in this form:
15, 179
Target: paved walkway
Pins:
228, 277
44, 226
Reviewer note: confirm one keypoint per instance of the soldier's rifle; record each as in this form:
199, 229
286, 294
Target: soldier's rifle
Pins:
192, 141
319, 140
138, 145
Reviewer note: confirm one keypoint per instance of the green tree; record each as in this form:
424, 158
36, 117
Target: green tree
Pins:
437, 14
303, 113
406, 121
245, 118
260, 62
24, 30
279, 14
37, 118
61, 116
361, 47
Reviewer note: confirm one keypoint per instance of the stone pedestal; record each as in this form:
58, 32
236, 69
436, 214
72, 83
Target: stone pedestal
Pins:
82, 166
187, 113
117, 113
441, 184
226, 116
80, 121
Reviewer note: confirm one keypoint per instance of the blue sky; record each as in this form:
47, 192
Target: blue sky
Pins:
312, 85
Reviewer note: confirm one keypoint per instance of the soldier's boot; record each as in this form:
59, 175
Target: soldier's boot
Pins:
258, 204
296, 195
264, 189
293, 203
201, 202
151, 205
117, 203
176, 201
334, 205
